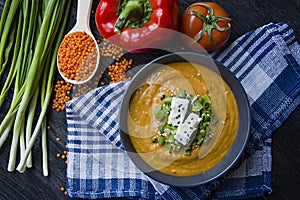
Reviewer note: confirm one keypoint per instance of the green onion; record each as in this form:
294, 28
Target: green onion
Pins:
31, 83
207, 118
47, 94
7, 28
166, 108
169, 126
168, 146
161, 140
33, 30
161, 128
207, 139
177, 147
207, 99
168, 100
13, 68
167, 131
197, 106
30, 118
9, 47
200, 141
213, 120
207, 130
3, 15
159, 114
187, 151
202, 132
200, 106
181, 93
171, 138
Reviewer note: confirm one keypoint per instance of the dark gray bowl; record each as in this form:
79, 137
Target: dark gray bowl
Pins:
243, 131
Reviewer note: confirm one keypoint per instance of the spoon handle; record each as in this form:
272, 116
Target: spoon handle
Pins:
83, 14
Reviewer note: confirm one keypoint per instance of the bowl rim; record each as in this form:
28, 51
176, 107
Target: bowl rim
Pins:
237, 147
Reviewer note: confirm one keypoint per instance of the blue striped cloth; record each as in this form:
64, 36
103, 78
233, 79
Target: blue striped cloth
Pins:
265, 61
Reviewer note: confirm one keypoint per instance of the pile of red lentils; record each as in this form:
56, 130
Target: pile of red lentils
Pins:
77, 56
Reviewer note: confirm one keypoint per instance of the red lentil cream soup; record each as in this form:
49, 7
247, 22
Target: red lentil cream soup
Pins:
183, 120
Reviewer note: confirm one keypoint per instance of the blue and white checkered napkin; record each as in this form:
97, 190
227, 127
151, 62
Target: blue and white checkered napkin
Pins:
266, 62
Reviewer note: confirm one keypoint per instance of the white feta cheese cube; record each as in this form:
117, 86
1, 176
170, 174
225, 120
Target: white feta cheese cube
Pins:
179, 108
187, 131
192, 121
183, 133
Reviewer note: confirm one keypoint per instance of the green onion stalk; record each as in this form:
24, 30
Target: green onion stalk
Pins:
6, 31
37, 28
47, 91
4, 14
20, 79
34, 28
7, 123
30, 118
30, 84
13, 69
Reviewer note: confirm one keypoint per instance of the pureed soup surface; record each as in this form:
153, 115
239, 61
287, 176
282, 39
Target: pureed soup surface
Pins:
164, 82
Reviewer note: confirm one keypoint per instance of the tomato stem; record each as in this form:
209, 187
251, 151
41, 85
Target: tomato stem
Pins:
133, 14
209, 23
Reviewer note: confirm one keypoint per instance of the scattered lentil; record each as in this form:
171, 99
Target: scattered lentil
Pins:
84, 88
57, 139
58, 155
108, 49
62, 91
118, 70
77, 56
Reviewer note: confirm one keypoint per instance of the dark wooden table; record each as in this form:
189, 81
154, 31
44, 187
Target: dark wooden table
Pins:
247, 15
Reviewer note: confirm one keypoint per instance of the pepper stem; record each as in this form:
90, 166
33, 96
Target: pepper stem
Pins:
133, 14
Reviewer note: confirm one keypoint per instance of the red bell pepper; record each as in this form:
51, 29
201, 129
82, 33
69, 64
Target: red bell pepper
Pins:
137, 25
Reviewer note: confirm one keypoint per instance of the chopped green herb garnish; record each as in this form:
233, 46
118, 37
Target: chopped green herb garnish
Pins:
202, 132
168, 100
169, 126
207, 99
161, 140
201, 106
187, 151
181, 93
159, 112
171, 139
200, 141
213, 119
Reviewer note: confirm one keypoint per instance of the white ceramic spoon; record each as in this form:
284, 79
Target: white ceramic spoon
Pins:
83, 24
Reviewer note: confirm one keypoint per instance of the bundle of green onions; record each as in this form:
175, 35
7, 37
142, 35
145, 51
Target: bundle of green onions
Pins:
31, 32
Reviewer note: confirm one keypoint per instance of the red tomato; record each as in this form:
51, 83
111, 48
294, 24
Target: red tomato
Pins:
206, 23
